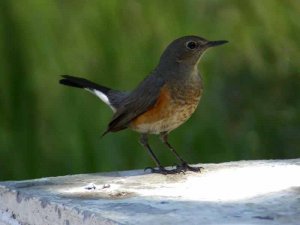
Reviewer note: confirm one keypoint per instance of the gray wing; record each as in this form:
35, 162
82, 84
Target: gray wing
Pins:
136, 103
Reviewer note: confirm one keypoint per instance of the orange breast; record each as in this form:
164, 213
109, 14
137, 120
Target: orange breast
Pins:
169, 111
157, 112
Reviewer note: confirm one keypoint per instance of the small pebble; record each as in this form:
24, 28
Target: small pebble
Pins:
106, 186
90, 186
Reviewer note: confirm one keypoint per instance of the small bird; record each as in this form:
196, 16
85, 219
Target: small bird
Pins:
164, 100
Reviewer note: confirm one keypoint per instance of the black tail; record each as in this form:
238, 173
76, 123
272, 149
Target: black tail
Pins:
112, 98
82, 83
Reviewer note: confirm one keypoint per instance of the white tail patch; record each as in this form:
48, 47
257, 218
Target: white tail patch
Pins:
102, 96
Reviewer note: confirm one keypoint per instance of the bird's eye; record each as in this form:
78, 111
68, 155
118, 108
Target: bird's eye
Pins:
191, 45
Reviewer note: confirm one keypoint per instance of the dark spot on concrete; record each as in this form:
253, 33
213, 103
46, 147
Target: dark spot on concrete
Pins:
59, 213
13, 216
263, 217
106, 186
164, 202
44, 202
67, 222
19, 198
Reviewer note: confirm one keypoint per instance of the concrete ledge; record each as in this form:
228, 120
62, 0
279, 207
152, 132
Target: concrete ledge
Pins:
244, 192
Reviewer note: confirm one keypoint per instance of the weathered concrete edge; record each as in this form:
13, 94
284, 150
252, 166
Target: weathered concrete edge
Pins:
12, 202
40, 211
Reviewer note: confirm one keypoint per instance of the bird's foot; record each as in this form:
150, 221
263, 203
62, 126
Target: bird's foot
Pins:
186, 167
179, 169
164, 171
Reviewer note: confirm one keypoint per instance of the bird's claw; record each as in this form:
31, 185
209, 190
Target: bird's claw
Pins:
178, 169
163, 170
186, 167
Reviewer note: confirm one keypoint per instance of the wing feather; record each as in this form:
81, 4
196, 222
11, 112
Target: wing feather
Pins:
136, 103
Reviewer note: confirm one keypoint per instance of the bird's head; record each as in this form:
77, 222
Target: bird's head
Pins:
187, 50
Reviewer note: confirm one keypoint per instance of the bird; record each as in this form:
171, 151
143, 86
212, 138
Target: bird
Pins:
161, 102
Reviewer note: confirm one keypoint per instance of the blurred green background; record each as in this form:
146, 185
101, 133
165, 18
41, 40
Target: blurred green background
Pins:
250, 108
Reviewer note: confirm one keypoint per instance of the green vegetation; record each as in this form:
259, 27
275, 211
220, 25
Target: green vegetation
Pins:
250, 108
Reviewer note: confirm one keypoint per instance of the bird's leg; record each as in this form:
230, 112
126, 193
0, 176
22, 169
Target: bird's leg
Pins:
184, 165
161, 169
164, 138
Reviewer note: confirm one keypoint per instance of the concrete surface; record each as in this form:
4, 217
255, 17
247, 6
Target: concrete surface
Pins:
244, 192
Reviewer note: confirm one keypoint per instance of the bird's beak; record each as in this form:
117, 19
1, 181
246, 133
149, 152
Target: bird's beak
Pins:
215, 43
